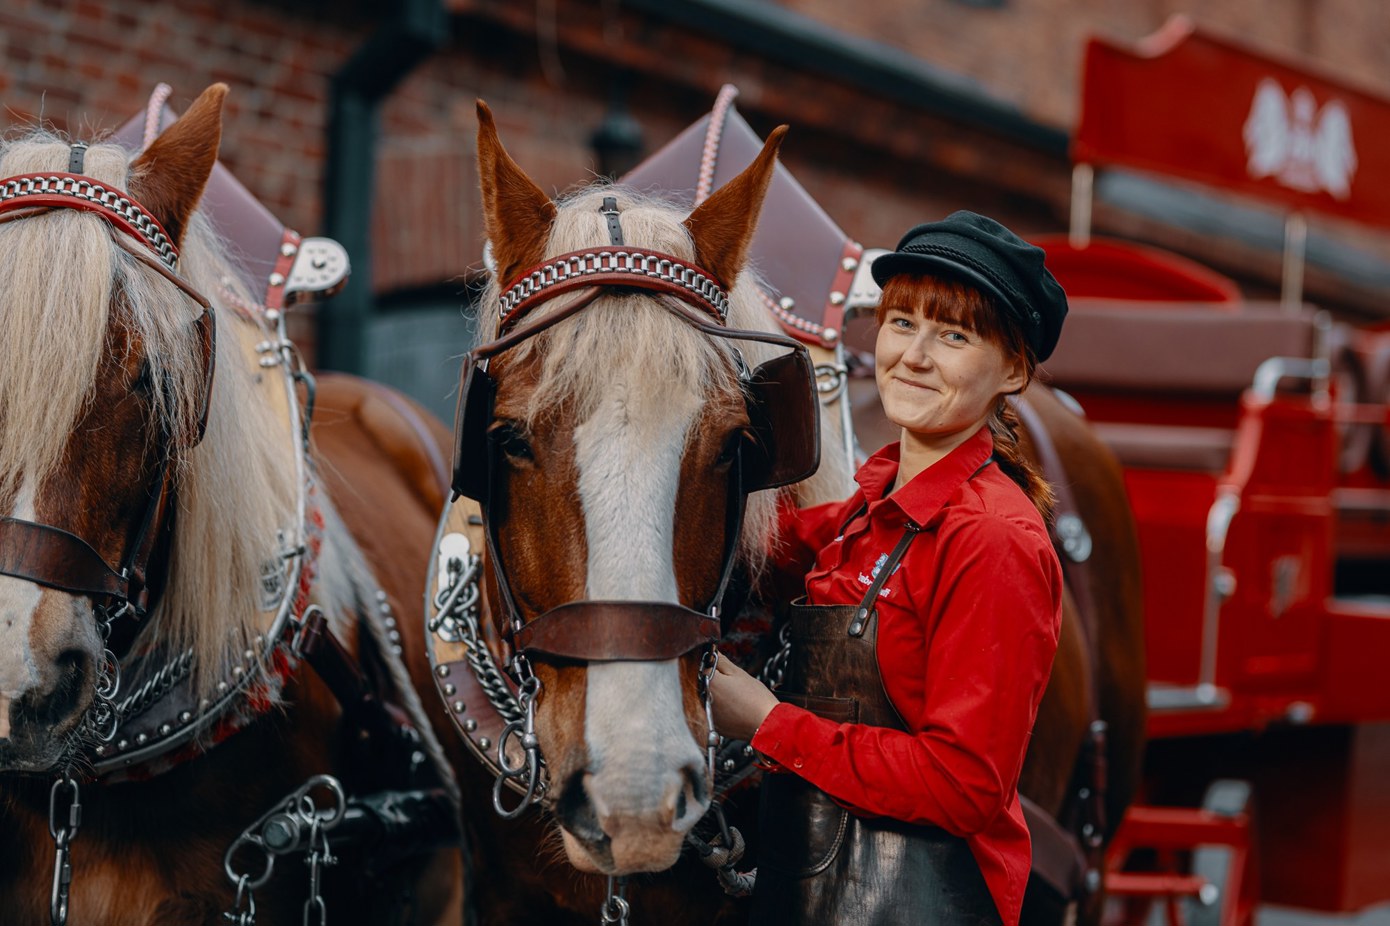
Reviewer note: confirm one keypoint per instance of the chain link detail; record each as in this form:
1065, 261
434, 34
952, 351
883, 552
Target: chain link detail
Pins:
774, 671
63, 828
281, 831
530, 768
456, 621
640, 263
18, 188
615, 908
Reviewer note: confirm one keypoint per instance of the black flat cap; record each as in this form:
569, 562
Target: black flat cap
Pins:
979, 251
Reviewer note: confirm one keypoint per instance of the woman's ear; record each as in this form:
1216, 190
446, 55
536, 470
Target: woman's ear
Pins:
1019, 374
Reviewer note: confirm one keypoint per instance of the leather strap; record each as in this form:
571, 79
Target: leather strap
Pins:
55, 558
869, 606
77, 157
615, 227
612, 631
612, 279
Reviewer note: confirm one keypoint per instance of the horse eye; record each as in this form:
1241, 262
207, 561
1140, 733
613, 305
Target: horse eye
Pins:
512, 441
731, 448
143, 381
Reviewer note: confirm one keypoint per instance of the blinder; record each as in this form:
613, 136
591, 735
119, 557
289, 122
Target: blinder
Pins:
779, 394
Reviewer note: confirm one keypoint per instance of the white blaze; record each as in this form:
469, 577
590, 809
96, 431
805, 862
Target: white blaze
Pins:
19, 599
628, 454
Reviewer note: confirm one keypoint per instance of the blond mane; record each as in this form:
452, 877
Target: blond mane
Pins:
631, 336
236, 490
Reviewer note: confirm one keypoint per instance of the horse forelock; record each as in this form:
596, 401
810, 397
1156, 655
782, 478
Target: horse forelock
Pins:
629, 341
59, 272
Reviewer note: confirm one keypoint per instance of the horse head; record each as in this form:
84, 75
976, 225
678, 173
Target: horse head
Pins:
618, 435
102, 395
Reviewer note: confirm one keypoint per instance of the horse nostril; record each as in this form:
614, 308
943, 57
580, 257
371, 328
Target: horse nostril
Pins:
575, 810
74, 670
696, 783
691, 798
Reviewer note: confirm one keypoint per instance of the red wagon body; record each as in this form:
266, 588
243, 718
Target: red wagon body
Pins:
1256, 445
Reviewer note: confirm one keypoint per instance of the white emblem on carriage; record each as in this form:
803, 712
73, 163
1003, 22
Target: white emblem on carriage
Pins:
1300, 146
453, 546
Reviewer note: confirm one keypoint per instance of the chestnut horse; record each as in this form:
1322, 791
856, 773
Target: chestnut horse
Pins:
610, 435
114, 451
616, 437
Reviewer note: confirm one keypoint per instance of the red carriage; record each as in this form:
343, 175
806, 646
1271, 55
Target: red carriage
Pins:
1254, 438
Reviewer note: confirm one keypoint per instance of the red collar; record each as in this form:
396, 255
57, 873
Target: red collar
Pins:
929, 490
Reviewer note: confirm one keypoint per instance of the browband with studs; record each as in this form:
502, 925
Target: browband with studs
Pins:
73, 191
634, 267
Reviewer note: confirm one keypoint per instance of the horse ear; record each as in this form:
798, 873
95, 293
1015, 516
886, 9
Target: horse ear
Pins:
722, 226
169, 176
517, 213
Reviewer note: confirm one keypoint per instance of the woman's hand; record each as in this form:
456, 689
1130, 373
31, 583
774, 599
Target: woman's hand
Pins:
741, 702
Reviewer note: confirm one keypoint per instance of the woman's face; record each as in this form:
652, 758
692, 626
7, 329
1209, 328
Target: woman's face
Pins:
937, 378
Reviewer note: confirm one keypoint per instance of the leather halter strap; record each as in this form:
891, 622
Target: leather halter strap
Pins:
56, 558
606, 631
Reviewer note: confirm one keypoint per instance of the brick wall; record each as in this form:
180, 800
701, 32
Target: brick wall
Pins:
877, 166
1029, 51
85, 65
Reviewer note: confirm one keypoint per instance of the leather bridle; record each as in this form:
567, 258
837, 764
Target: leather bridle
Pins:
49, 555
593, 631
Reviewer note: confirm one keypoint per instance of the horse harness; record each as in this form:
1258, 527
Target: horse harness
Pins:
1069, 854
394, 822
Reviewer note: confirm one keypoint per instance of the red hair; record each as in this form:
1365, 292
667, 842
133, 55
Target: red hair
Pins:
939, 299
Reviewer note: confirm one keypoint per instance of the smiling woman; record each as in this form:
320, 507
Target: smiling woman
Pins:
919, 656
942, 360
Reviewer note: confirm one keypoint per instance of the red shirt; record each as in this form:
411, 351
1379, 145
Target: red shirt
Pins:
967, 632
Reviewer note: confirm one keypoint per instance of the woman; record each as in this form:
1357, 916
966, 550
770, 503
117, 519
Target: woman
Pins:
933, 604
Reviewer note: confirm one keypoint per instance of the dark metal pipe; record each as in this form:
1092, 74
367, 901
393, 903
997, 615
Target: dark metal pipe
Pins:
419, 28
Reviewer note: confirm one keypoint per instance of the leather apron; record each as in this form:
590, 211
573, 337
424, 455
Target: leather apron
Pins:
820, 864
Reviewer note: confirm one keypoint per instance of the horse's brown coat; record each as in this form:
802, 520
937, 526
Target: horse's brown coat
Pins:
149, 853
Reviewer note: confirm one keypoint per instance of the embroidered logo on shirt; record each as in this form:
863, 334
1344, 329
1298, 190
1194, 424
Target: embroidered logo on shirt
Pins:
873, 574
878, 565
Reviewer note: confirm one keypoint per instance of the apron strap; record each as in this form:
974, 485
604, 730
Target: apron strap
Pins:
867, 607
